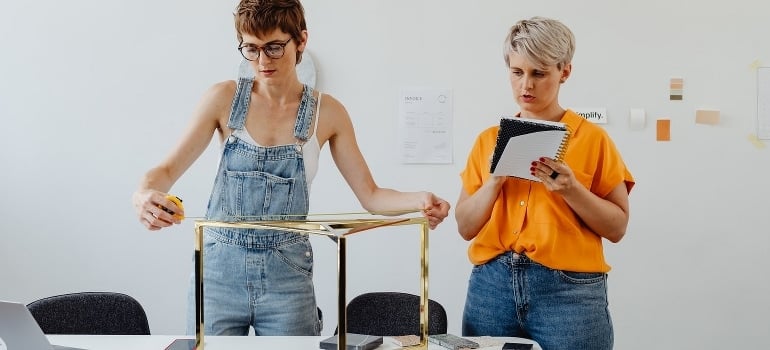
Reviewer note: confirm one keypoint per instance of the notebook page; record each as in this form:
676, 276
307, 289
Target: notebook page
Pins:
521, 151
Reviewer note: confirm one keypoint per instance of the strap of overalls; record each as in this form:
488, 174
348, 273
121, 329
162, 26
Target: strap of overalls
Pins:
240, 108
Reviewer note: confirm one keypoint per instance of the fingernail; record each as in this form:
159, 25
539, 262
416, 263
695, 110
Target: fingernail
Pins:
542, 159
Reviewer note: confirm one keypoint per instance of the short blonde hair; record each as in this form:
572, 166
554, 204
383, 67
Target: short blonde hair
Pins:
543, 41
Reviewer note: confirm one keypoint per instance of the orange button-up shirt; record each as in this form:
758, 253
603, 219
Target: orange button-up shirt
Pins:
528, 218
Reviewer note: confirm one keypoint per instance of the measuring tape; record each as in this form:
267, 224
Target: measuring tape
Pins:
178, 202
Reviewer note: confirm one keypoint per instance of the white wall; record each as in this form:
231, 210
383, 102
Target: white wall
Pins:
93, 93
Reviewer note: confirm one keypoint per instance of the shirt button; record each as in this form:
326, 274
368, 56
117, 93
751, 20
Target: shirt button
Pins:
521, 203
307, 254
231, 139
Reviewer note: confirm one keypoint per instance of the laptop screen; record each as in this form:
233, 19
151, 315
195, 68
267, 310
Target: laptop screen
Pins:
20, 331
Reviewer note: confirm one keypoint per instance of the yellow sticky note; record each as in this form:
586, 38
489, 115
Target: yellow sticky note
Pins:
707, 116
756, 141
754, 65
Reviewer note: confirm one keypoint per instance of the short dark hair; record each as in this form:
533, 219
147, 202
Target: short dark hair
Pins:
260, 17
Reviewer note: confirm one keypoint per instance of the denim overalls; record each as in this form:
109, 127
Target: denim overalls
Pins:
255, 277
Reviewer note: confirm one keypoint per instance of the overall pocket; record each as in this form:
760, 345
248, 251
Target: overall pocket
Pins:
256, 193
298, 256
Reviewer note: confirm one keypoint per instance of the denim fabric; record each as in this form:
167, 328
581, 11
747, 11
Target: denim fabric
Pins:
512, 295
254, 277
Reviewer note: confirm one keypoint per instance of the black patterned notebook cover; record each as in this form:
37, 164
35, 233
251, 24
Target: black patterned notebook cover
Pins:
520, 141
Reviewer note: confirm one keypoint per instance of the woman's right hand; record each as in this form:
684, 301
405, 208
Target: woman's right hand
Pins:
147, 204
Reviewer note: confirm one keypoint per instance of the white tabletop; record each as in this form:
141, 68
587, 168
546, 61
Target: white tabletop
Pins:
160, 342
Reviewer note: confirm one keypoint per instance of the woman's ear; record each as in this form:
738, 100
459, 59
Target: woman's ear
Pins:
565, 72
301, 45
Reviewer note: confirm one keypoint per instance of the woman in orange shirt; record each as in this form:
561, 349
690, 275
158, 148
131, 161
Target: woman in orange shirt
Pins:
539, 270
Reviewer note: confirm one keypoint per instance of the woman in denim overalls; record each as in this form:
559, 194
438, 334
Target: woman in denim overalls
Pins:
272, 128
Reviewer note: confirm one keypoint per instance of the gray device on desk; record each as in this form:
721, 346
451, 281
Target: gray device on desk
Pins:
452, 342
353, 341
182, 344
20, 331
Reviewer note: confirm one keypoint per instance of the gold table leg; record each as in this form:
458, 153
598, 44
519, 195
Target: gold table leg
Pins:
342, 324
424, 286
199, 287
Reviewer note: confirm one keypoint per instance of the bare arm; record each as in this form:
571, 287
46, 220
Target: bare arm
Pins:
607, 217
473, 211
352, 165
158, 180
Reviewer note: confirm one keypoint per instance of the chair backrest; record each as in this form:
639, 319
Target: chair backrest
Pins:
392, 314
90, 313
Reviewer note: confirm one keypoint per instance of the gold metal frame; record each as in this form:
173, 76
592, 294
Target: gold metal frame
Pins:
338, 230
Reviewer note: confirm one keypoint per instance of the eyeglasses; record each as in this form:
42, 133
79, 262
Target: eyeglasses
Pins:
274, 50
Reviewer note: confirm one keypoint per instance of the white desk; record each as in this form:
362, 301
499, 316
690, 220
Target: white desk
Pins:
159, 342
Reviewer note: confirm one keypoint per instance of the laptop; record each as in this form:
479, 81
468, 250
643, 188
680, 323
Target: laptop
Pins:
20, 331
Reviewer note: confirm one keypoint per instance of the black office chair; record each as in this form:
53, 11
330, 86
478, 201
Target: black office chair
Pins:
392, 314
105, 313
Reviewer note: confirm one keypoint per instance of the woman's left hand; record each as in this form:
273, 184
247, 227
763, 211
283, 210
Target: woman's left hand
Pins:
434, 209
556, 176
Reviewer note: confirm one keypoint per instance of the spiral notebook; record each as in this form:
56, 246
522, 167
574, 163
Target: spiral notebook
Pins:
520, 141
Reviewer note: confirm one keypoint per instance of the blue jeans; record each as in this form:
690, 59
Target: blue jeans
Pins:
264, 281
514, 296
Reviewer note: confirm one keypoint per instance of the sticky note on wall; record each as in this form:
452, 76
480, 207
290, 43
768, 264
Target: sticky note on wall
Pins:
755, 65
664, 130
707, 116
636, 118
758, 144
676, 87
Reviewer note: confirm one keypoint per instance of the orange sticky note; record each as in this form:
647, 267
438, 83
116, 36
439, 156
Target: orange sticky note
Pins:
664, 129
706, 116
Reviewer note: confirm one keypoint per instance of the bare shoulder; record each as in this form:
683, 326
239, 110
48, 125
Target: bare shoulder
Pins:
333, 120
224, 90
332, 107
217, 100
